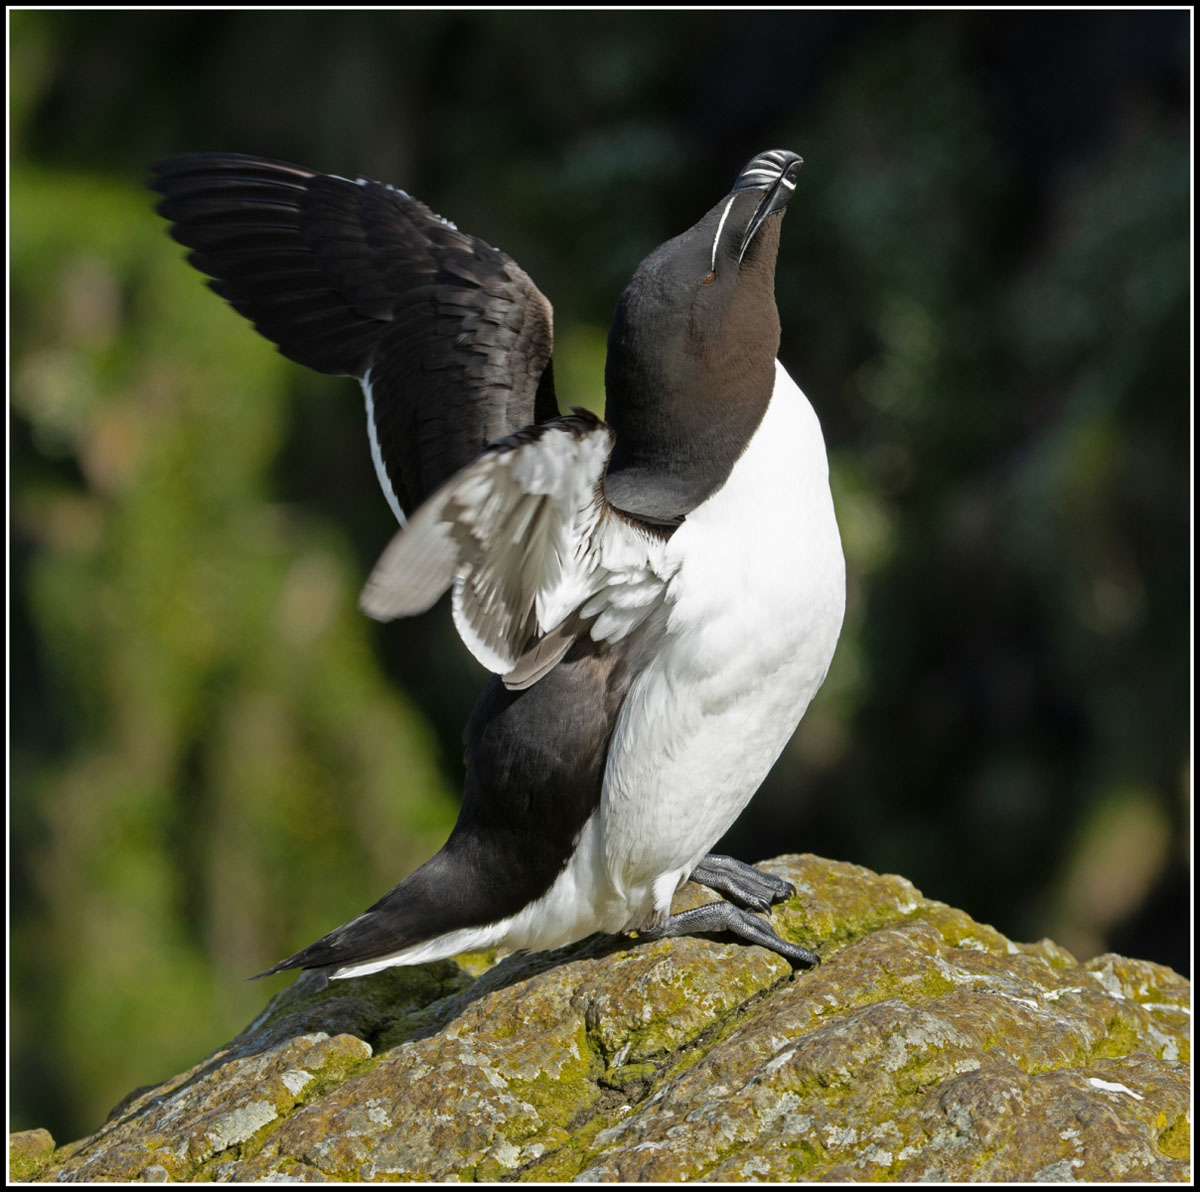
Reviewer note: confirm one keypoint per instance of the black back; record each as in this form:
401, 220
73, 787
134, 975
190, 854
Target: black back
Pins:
535, 768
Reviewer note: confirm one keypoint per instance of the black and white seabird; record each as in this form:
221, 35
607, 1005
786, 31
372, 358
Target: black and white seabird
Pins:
658, 595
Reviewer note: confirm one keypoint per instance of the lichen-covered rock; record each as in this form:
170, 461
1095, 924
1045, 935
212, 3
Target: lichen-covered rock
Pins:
926, 1046
28, 1152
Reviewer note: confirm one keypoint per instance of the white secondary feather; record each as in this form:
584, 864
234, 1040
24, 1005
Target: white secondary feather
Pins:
526, 539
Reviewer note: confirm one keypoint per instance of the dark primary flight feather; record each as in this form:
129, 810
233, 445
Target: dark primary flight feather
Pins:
359, 279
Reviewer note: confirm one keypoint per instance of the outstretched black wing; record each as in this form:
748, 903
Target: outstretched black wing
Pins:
449, 337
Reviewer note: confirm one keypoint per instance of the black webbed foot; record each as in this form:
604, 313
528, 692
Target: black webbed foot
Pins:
718, 917
741, 883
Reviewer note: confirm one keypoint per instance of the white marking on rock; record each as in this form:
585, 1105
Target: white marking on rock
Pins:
1112, 986
781, 1059
506, 1154
295, 1079
240, 1124
1167, 1008
839, 1136
1031, 1002
1108, 1086
1052, 995
971, 944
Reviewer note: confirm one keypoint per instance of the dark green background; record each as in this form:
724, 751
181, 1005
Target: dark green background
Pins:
984, 287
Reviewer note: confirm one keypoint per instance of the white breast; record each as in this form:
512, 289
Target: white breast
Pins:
752, 619
732, 658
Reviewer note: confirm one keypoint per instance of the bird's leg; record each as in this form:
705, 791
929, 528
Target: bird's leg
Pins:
716, 917
741, 883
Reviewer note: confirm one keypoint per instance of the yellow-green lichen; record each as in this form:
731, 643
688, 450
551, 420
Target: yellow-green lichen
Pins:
577, 1150
911, 988
1176, 1140
630, 1076
683, 1059
803, 1157
29, 1153
1121, 1038
560, 1097
475, 964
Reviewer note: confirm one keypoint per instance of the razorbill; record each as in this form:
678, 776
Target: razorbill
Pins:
658, 595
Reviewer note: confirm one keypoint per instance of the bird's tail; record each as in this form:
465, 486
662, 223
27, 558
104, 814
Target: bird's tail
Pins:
454, 903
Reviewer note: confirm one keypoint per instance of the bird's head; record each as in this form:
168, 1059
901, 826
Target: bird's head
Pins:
691, 351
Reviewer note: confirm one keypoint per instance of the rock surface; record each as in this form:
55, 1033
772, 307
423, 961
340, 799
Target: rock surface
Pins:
925, 1047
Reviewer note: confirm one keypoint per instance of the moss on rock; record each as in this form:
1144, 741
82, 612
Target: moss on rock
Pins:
29, 1151
925, 1046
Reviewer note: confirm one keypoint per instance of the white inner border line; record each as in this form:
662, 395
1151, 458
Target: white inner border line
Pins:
377, 454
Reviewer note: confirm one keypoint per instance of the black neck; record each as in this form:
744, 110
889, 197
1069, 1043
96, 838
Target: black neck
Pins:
686, 390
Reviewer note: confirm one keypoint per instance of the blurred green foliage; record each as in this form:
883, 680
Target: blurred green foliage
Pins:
210, 759
984, 287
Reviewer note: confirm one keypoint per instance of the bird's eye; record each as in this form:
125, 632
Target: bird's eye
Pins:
708, 281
